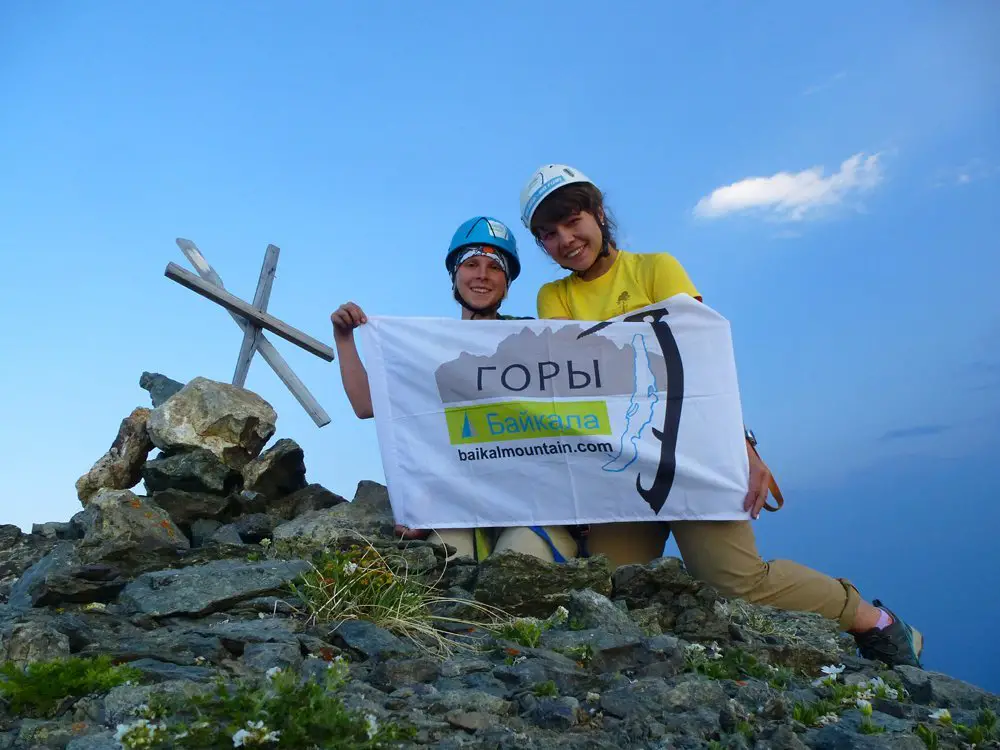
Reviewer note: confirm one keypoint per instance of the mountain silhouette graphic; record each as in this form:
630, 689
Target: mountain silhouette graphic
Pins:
459, 380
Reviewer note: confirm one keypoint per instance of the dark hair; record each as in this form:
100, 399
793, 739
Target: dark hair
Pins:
572, 199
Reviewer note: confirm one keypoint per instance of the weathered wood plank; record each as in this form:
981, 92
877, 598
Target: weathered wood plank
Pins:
234, 304
202, 266
260, 299
277, 363
271, 355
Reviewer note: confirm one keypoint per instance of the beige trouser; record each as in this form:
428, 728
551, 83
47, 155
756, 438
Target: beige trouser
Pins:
724, 555
519, 539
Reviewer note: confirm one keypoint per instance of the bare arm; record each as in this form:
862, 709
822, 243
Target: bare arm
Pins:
345, 319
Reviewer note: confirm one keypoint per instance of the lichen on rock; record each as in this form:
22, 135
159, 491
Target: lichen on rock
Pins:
233, 423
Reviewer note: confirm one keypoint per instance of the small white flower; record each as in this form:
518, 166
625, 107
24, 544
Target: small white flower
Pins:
140, 733
371, 727
261, 615
265, 542
695, 648
943, 715
255, 734
831, 672
827, 719
350, 567
865, 706
339, 667
593, 697
272, 673
882, 690
557, 618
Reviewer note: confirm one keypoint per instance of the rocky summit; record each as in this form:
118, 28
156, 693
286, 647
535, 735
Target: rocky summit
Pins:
229, 602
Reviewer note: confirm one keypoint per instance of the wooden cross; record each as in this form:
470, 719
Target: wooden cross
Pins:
252, 319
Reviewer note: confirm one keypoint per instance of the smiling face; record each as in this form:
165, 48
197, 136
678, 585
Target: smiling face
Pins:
481, 282
574, 242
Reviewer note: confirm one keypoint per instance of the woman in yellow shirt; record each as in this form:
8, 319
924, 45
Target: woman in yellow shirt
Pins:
565, 212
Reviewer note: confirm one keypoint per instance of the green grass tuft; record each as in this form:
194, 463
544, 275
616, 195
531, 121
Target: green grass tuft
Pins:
280, 711
546, 689
43, 686
361, 583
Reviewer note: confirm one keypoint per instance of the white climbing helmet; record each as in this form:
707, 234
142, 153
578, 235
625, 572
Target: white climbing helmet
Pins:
544, 180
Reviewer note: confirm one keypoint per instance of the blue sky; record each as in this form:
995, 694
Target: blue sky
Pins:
829, 179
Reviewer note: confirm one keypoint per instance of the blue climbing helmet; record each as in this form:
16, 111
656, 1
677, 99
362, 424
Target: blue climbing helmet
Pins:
484, 230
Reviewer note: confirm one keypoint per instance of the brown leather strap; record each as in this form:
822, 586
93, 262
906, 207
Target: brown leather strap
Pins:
777, 496
773, 486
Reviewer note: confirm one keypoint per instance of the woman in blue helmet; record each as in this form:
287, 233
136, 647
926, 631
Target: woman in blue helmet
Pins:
482, 262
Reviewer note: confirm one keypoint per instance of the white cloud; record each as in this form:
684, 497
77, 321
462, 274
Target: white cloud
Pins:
793, 196
831, 81
972, 171
787, 234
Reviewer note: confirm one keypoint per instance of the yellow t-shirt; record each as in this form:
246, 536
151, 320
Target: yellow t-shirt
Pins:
634, 280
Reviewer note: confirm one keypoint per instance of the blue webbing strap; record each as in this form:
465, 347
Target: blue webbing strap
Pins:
556, 554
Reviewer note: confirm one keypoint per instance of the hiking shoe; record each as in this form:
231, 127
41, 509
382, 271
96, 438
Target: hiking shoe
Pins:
895, 644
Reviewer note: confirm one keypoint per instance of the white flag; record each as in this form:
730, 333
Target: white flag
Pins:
557, 422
